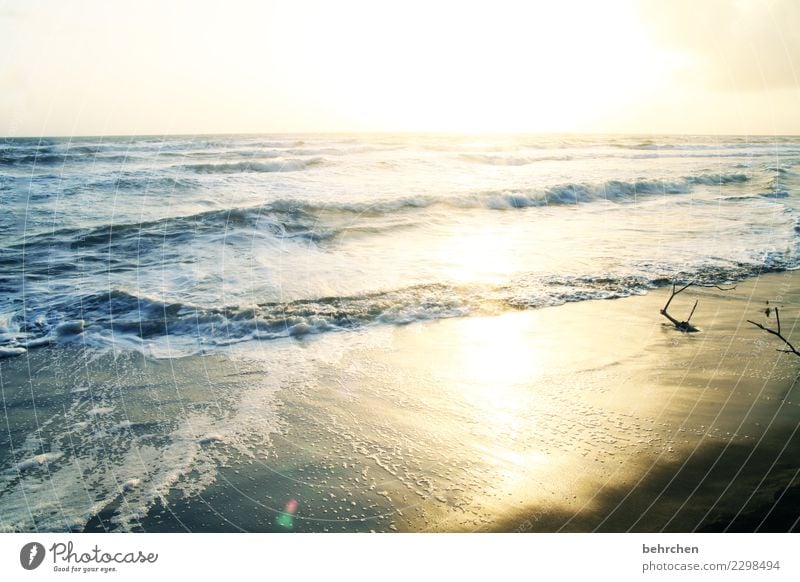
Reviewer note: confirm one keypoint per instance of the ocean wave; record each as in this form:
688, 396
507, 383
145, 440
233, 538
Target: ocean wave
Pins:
43, 158
771, 146
345, 150
50, 157
717, 179
122, 314
281, 220
226, 153
780, 171
775, 193
48, 153
737, 198
287, 165
510, 160
302, 218
137, 320
612, 191
138, 180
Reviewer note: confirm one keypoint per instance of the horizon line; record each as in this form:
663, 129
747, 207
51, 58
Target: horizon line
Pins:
403, 132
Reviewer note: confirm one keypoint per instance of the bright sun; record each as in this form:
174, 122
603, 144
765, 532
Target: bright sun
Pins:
477, 67
90, 67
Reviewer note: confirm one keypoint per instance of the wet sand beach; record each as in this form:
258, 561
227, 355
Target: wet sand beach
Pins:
590, 416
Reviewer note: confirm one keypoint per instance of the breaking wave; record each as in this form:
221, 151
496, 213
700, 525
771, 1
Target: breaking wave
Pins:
288, 165
138, 321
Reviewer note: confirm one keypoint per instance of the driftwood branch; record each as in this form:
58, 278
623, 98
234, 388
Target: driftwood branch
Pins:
685, 326
777, 333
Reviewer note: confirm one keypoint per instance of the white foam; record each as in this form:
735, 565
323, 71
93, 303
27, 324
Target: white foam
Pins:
131, 475
38, 342
285, 165
98, 410
210, 438
300, 329
8, 352
38, 461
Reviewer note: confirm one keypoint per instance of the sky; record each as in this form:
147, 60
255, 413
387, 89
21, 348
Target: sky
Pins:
92, 67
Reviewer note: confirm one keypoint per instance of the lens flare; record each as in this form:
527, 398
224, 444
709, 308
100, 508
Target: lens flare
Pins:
286, 518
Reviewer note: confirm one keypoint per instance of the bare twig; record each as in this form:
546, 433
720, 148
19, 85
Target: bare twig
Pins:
777, 333
685, 326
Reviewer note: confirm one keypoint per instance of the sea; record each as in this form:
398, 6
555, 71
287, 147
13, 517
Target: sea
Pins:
153, 255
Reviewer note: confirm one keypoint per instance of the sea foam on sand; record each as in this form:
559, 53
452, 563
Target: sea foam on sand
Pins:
588, 416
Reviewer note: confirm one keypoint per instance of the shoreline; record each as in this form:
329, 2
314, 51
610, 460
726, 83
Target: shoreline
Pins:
730, 402
589, 416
